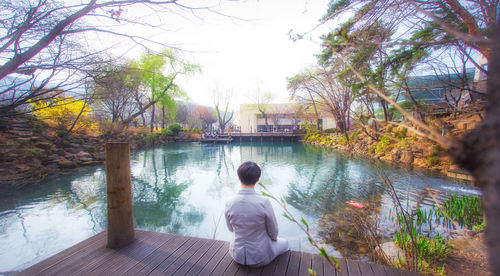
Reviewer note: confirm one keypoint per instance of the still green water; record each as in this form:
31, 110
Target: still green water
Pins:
181, 189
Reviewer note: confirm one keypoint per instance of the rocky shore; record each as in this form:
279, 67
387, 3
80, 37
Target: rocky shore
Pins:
30, 150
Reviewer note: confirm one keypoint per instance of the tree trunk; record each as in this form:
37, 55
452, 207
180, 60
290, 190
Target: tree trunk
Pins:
152, 118
479, 152
163, 117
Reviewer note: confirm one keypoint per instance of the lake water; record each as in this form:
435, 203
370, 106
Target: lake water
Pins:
181, 189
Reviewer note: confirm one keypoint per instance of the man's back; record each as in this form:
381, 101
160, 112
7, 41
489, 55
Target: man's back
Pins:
251, 218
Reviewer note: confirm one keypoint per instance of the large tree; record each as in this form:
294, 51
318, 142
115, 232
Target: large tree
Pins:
158, 73
475, 24
44, 48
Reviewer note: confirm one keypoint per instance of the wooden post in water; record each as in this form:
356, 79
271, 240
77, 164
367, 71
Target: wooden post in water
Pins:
119, 190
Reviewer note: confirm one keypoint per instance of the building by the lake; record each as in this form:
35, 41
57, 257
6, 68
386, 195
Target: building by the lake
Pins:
279, 117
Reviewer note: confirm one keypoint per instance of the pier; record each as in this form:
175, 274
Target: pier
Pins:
154, 253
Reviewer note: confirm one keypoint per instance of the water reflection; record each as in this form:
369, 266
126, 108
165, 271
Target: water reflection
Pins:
181, 188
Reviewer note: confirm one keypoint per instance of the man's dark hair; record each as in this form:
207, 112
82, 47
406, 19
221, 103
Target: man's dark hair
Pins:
249, 173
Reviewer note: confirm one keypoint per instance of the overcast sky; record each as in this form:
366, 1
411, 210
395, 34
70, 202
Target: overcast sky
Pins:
248, 54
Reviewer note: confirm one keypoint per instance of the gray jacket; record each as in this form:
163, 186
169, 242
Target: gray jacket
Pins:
251, 218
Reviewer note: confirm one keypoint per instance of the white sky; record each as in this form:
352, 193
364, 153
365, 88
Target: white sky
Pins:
245, 55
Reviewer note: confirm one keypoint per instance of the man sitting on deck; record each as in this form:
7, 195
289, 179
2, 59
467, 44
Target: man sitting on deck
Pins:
251, 218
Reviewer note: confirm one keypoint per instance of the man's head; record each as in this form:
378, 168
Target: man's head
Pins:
249, 173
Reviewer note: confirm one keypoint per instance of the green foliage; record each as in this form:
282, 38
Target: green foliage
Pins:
432, 160
372, 148
400, 133
431, 250
60, 132
174, 128
389, 128
166, 132
195, 130
435, 150
331, 130
467, 211
35, 153
404, 143
91, 149
354, 136
383, 145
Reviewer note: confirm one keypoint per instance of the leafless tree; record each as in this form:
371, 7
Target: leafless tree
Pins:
330, 93
43, 47
221, 104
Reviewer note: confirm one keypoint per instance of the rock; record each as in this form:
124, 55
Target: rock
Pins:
69, 156
22, 167
396, 154
89, 163
84, 156
66, 164
391, 250
44, 145
53, 158
74, 150
407, 157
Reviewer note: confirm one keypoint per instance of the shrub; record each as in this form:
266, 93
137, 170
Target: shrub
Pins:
60, 132
166, 132
91, 149
432, 160
35, 153
383, 144
389, 128
331, 130
435, 149
400, 133
174, 128
404, 143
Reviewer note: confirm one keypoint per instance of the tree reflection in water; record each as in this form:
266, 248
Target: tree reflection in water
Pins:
158, 205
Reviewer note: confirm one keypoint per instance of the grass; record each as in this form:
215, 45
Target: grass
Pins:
465, 210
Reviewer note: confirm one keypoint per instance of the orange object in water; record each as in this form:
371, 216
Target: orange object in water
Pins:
355, 204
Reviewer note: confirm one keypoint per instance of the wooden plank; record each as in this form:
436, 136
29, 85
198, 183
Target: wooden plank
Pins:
329, 269
222, 265
195, 258
86, 266
378, 270
182, 259
56, 259
157, 256
353, 267
269, 269
126, 256
391, 271
231, 269
282, 265
294, 263
143, 255
166, 262
205, 259
212, 264
305, 264
317, 265
365, 269
343, 267
79, 261
254, 271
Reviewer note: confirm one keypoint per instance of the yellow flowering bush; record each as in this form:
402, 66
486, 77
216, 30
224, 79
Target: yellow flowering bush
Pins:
62, 111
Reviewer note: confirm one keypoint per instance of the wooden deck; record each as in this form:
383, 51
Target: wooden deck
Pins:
166, 254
